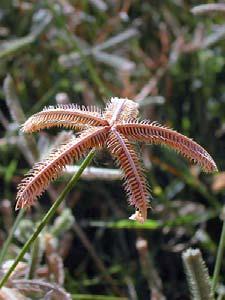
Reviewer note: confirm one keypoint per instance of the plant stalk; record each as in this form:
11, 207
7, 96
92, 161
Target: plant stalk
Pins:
219, 258
197, 275
48, 216
34, 259
10, 236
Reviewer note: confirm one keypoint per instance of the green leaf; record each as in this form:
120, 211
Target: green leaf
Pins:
127, 224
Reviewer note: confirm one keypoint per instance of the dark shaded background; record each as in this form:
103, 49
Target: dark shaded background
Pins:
172, 63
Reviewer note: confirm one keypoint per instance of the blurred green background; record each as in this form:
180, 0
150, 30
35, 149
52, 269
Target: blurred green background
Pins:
172, 63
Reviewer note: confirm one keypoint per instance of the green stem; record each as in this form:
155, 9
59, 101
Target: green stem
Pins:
10, 236
219, 258
34, 259
48, 216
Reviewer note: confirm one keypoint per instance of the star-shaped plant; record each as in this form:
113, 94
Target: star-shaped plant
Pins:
116, 128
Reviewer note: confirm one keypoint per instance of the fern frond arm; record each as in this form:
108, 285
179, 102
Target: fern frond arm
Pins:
135, 183
38, 179
69, 116
118, 110
156, 134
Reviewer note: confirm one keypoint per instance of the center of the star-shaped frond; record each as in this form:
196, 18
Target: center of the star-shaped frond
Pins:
120, 110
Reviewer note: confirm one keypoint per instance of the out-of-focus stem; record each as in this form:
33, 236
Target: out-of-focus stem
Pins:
10, 48
219, 258
47, 217
197, 275
18, 117
149, 271
91, 173
10, 236
208, 8
34, 260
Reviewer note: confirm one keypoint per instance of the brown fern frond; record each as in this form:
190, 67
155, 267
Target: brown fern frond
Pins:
155, 133
115, 128
50, 168
135, 182
70, 116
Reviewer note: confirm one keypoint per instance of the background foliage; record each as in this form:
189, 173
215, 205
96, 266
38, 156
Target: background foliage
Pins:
172, 63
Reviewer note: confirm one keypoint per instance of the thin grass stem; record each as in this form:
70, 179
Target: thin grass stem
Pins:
219, 258
48, 216
34, 259
10, 236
